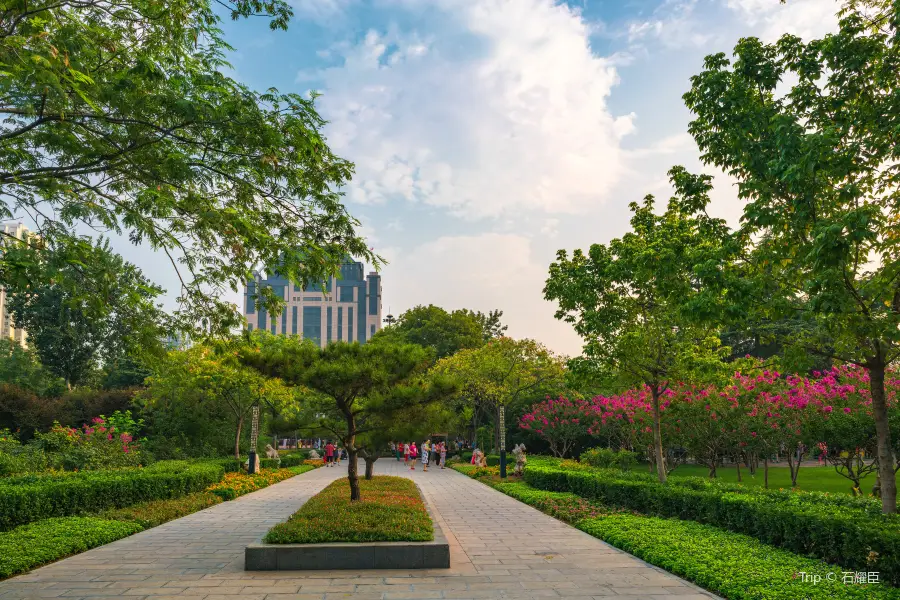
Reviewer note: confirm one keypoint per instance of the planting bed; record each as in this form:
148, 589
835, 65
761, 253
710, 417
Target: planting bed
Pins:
389, 528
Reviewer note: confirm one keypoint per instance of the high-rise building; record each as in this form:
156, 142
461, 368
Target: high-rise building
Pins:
8, 329
348, 309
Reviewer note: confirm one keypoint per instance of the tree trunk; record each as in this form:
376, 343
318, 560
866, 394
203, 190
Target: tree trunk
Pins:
370, 466
766, 471
657, 435
883, 433
352, 454
237, 438
738, 464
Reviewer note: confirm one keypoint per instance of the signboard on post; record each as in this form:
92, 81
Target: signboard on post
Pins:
254, 437
502, 428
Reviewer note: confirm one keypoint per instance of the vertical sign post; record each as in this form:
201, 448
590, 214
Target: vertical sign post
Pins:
254, 437
502, 441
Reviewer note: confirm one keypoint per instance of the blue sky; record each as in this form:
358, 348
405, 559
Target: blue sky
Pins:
488, 134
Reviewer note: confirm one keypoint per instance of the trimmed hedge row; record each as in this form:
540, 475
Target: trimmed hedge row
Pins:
157, 512
736, 566
36, 544
94, 491
834, 533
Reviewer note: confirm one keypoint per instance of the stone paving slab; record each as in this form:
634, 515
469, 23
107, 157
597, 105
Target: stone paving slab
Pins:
499, 548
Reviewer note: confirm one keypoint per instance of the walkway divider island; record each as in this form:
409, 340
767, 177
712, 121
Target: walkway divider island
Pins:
352, 556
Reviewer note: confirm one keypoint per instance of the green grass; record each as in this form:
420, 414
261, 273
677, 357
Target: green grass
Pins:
39, 543
810, 479
390, 510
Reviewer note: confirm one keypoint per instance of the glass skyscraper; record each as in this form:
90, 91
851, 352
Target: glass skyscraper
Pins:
347, 309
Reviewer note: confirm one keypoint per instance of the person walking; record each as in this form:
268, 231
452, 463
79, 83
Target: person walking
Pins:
413, 452
329, 454
406, 454
443, 454
338, 452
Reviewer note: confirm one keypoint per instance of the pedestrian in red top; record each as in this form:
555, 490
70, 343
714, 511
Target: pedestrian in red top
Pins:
413, 452
406, 454
329, 454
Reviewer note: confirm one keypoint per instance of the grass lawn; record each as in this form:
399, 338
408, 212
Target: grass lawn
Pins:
390, 510
811, 479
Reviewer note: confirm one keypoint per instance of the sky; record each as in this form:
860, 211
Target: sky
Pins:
489, 134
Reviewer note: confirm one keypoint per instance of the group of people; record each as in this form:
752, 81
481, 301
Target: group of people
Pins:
333, 454
428, 453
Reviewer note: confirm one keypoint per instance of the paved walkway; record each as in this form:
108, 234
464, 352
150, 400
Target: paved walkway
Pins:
500, 548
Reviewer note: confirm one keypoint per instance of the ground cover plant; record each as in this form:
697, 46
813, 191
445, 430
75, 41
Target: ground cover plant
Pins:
35, 544
237, 484
157, 512
837, 528
734, 565
390, 509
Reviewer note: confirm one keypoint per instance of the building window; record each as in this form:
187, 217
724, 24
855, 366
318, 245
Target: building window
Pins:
312, 324
340, 336
346, 294
284, 321
312, 298
328, 324
371, 331
294, 319
349, 323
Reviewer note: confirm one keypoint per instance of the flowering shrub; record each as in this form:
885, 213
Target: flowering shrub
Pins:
314, 462
561, 422
98, 445
237, 484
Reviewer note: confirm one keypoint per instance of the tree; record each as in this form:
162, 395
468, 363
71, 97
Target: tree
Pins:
70, 333
562, 422
214, 383
817, 167
21, 367
433, 327
118, 115
491, 327
637, 302
501, 373
362, 386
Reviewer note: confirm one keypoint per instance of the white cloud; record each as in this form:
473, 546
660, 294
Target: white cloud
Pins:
320, 10
480, 272
805, 18
674, 24
500, 108
550, 228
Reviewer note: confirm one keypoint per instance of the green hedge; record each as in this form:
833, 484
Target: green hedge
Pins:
290, 460
90, 492
42, 542
736, 566
157, 512
836, 533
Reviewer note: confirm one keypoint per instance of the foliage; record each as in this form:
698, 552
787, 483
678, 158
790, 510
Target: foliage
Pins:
99, 445
360, 386
817, 167
733, 565
198, 389
561, 422
831, 528
22, 368
610, 459
33, 497
445, 333
36, 544
390, 509
635, 301
119, 115
234, 485
70, 332
156, 512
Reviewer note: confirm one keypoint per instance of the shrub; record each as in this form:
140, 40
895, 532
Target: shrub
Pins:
42, 542
237, 484
390, 509
797, 523
314, 462
608, 458
157, 512
98, 445
731, 564
30, 498
560, 505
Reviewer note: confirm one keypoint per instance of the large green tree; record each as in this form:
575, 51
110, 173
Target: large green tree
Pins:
100, 308
637, 302
817, 166
442, 331
119, 114
360, 386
